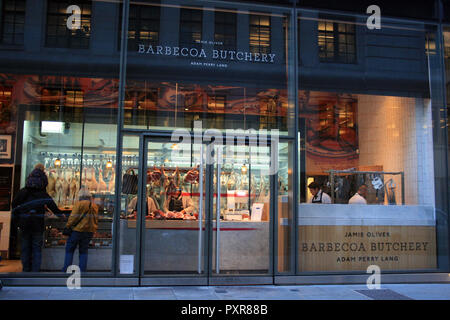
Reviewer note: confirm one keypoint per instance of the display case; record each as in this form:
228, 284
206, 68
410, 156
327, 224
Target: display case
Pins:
100, 246
383, 187
53, 236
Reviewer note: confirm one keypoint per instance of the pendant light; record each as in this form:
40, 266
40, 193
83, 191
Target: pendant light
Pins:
57, 162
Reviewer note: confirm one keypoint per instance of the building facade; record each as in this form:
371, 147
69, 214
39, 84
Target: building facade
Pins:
309, 146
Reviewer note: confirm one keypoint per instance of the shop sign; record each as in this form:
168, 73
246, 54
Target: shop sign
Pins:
214, 57
344, 248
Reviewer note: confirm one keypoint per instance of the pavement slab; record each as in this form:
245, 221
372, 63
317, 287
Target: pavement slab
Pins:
270, 292
63, 293
25, 293
383, 294
153, 293
433, 291
113, 294
195, 293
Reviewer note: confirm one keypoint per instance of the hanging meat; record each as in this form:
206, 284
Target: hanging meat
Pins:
192, 176
92, 182
223, 180
59, 188
231, 183
51, 184
169, 184
84, 180
101, 186
177, 177
66, 187
243, 182
74, 187
112, 181
154, 176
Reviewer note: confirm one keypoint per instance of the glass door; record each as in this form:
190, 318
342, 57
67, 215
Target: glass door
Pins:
242, 215
172, 203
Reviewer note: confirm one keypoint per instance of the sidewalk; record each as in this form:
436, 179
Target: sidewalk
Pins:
315, 292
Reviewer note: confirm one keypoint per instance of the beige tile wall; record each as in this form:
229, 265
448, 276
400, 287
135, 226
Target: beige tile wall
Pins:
395, 132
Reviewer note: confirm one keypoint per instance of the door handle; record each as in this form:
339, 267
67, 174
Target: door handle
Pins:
219, 161
200, 212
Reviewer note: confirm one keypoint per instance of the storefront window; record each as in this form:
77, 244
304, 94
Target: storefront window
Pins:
59, 116
224, 70
366, 158
60, 130
361, 182
285, 223
224, 67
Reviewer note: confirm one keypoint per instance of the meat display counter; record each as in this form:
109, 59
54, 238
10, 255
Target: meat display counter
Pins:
171, 245
100, 246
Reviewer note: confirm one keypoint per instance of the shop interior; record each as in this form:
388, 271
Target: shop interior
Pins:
384, 142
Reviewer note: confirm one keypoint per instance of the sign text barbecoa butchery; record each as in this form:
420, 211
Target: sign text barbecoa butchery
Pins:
225, 55
333, 248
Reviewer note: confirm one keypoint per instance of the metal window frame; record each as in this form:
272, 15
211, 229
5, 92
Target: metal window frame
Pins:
15, 13
67, 36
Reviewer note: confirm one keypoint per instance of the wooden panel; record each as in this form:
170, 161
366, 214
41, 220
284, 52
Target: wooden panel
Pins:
347, 248
283, 236
370, 168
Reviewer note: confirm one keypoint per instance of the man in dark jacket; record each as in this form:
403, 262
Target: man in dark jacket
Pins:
29, 208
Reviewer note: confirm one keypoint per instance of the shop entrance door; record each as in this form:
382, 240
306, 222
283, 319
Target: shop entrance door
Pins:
241, 212
183, 190
172, 201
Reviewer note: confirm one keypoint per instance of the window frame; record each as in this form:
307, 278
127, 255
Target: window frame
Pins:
267, 49
230, 30
187, 37
15, 13
69, 37
133, 43
337, 56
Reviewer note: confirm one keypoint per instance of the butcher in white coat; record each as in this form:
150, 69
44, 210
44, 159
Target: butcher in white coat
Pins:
360, 196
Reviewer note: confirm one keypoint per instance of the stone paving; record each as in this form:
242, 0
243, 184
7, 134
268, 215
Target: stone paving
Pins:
310, 292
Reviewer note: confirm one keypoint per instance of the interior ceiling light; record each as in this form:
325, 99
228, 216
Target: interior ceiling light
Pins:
174, 146
244, 169
52, 127
109, 164
57, 163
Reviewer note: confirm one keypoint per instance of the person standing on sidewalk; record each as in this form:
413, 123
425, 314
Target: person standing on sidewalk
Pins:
29, 208
84, 222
